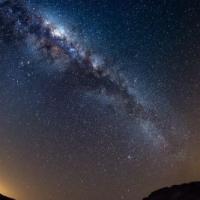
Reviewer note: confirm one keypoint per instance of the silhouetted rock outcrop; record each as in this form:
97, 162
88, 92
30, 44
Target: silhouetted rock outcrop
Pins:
190, 191
5, 198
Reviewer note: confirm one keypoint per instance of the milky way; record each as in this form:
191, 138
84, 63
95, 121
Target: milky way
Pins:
22, 24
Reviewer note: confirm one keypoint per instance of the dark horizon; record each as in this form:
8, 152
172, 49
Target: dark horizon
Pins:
3, 197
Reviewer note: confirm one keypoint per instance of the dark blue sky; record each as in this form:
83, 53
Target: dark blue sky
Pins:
68, 133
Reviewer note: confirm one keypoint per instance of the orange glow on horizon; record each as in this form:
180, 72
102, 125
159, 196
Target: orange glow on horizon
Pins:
6, 190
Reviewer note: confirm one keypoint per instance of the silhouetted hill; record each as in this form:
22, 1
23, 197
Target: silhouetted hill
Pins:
190, 191
5, 198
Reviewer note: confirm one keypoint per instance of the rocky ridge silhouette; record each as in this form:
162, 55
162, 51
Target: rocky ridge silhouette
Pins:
190, 191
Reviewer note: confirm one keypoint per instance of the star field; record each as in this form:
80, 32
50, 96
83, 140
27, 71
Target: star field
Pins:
98, 100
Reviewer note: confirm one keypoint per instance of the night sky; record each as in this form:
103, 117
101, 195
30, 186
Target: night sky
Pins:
98, 99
